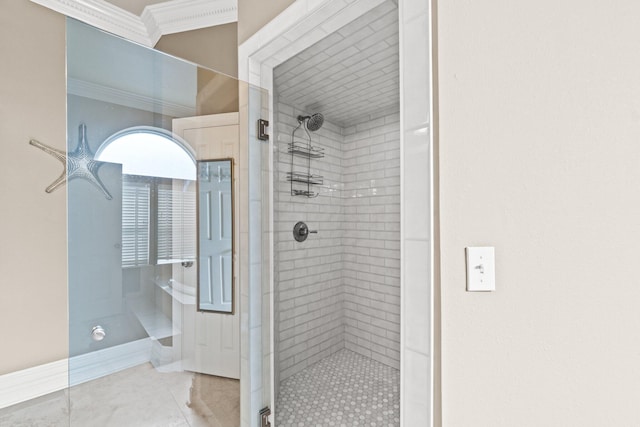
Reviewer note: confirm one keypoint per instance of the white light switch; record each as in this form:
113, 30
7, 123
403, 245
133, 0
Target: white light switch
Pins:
481, 269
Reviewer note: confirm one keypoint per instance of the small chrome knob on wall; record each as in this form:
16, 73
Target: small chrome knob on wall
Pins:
98, 333
301, 231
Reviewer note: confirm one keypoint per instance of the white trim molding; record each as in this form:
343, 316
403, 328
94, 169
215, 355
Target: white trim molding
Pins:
27, 384
128, 99
156, 20
103, 15
184, 15
100, 363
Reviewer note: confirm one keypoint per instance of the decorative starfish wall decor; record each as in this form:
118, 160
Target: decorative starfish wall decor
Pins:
79, 163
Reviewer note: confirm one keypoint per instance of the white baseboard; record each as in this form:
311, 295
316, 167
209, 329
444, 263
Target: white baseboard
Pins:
27, 384
97, 364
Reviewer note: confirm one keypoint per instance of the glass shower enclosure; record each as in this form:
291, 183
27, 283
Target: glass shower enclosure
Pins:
141, 352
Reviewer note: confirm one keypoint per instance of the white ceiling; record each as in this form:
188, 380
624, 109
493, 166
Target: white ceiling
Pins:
349, 76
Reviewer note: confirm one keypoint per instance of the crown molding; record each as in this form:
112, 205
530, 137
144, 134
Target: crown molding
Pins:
103, 15
184, 15
156, 20
128, 99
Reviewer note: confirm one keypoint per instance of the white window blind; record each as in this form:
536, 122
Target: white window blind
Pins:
135, 223
176, 222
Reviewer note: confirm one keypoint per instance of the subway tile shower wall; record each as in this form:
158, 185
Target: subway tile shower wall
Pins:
308, 275
371, 238
341, 287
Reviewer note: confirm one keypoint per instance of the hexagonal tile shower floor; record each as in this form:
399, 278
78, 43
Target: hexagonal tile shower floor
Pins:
344, 389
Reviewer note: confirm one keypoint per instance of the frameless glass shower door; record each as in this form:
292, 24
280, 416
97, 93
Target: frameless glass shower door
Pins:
143, 352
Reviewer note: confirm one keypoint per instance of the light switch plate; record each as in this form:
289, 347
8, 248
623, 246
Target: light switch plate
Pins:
481, 269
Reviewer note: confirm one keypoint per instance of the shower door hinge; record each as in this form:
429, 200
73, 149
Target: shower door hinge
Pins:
265, 417
262, 130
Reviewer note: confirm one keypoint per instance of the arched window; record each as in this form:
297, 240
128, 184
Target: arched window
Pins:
158, 202
149, 151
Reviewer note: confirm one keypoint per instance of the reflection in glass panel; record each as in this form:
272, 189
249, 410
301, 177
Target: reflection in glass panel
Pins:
133, 319
136, 207
158, 220
172, 158
215, 238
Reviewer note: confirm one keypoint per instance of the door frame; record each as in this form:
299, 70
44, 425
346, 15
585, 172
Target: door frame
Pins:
298, 27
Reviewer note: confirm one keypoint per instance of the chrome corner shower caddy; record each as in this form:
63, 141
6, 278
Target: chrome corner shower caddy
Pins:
300, 146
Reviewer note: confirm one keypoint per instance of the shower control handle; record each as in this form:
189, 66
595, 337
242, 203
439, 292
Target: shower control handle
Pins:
301, 231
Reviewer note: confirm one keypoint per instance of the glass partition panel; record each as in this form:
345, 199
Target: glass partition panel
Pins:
141, 353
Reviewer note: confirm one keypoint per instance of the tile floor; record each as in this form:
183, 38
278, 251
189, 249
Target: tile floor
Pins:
344, 389
140, 397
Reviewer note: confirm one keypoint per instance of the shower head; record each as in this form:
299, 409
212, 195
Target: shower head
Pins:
314, 121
